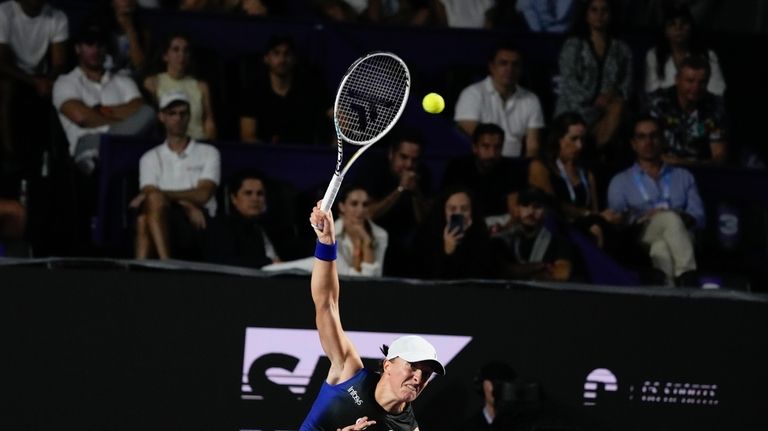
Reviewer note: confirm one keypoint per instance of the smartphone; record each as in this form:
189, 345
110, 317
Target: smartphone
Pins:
456, 221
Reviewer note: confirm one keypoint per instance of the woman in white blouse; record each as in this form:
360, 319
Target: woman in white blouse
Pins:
361, 243
677, 42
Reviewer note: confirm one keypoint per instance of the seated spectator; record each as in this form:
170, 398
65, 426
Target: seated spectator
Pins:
559, 172
660, 203
176, 76
129, 40
455, 244
547, 17
362, 244
596, 72
463, 14
178, 179
498, 99
398, 186
286, 105
692, 119
529, 250
238, 238
92, 101
33, 50
678, 41
491, 178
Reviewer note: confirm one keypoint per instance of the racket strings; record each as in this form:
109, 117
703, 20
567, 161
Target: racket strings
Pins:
371, 98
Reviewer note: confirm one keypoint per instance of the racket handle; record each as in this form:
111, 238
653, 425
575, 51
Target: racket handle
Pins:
331, 192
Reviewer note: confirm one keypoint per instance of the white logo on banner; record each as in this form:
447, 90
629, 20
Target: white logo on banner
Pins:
298, 352
651, 391
600, 376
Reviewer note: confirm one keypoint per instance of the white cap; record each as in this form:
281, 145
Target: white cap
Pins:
172, 97
413, 348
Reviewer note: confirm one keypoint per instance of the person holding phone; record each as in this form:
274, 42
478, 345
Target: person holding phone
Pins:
456, 243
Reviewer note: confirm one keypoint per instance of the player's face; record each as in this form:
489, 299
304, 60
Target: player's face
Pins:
177, 56
598, 15
404, 158
505, 68
488, 148
175, 119
407, 379
646, 141
251, 200
691, 83
572, 143
459, 203
355, 206
280, 60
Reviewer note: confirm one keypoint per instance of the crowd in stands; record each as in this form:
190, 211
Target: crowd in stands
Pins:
611, 162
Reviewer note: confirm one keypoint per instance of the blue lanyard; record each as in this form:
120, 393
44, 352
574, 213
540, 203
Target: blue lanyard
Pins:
567, 180
665, 181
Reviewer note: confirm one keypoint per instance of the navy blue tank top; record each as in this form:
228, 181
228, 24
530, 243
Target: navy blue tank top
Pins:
341, 405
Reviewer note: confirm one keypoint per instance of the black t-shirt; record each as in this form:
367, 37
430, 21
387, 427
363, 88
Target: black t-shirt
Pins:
378, 181
235, 240
490, 188
298, 117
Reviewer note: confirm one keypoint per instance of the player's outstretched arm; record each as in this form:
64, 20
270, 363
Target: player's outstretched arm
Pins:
345, 361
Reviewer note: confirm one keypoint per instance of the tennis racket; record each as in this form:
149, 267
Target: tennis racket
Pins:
369, 101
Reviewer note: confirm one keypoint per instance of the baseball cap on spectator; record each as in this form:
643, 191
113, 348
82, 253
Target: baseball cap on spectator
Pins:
171, 98
279, 39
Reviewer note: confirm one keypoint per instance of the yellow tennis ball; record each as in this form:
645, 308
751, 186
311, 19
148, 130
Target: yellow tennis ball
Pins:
433, 103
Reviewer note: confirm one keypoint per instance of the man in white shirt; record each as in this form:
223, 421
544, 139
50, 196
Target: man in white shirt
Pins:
178, 179
498, 99
91, 101
33, 38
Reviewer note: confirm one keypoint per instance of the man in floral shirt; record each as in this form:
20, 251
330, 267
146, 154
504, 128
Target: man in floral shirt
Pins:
692, 119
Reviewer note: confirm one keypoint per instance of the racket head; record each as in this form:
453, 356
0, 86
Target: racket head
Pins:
371, 97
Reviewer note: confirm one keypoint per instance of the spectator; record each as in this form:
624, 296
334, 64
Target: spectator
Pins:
529, 250
398, 187
678, 41
596, 73
660, 203
33, 38
692, 119
286, 105
92, 101
362, 243
177, 76
560, 173
498, 99
463, 14
495, 383
178, 179
128, 40
238, 238
491, 178
547, 17
456, 244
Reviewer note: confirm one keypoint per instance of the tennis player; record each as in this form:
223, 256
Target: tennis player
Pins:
352, 394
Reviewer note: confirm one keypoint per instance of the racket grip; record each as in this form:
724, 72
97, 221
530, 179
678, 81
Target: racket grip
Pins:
331, 192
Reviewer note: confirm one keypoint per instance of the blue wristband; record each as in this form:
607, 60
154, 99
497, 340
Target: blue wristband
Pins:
325, 252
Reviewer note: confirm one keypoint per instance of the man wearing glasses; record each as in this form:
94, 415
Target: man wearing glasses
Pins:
661, 203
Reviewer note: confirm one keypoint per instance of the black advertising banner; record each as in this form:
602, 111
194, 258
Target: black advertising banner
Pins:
94, 347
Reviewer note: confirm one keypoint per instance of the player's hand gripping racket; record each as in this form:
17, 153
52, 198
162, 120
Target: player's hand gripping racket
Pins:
370, 100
